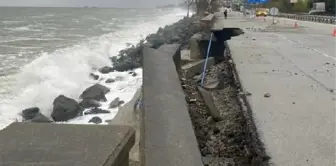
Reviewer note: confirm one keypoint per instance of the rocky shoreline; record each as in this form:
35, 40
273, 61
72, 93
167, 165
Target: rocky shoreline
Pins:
226, 133
177, 33
128, 59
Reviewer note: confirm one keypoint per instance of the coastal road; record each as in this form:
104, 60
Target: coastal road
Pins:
290, 73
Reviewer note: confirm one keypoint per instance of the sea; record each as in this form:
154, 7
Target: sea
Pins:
46, 52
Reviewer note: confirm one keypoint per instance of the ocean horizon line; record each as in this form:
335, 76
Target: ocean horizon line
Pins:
84, 7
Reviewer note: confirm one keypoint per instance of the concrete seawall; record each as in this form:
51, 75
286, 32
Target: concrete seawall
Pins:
46, 144
167, 135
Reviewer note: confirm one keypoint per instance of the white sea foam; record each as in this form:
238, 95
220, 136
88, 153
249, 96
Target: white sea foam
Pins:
66, 72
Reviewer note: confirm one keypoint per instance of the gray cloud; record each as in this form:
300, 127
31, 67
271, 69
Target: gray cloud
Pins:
80, 3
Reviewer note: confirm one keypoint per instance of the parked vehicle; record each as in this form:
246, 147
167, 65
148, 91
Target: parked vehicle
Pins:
261, 12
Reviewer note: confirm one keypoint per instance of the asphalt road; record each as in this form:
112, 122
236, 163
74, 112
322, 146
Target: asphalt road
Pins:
296, 67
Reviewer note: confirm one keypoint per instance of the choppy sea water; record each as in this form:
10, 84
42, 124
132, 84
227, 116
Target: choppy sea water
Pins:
45, 52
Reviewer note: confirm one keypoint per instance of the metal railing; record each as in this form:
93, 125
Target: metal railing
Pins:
313, 18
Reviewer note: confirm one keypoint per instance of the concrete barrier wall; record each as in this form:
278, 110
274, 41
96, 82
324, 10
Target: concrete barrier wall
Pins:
48, 144
167, 137
207, 22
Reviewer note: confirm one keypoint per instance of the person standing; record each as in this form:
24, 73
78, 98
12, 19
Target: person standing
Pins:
225, 13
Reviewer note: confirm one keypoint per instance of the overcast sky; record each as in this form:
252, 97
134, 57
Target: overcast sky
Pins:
81, 3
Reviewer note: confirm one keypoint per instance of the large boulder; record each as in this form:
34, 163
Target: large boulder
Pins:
65, 108
40, 118
106, 69
96, 120
110, 80
33, 115
116, 103
96, 111
95, 92
94, 76
30, 113
88, 103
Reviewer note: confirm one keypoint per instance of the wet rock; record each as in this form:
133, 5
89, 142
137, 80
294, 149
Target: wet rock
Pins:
106, 69
88, 103
33, 115
121, 102
108, 120
96, 120
133, 73
267, 95
30, 113
95, 92
65, 108
40, 118
116, 103
94, 76
125, 65
96, 111
110, 80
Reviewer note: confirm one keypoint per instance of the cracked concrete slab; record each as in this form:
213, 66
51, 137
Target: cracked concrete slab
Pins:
297, 121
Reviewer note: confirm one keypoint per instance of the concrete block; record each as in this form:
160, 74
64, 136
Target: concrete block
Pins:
45, 144
185, 57
207, 22
167, 136
194, 42
193, 68
209, 102
185, 54
209, 17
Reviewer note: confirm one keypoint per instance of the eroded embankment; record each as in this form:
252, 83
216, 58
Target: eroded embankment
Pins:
231, 139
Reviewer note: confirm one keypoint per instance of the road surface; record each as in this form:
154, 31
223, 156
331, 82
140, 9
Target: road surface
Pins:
296, 68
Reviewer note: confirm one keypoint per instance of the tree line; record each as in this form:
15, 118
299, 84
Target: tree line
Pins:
200, 6
302, 6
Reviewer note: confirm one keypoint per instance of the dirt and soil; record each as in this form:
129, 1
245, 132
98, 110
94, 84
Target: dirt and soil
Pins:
233, 141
